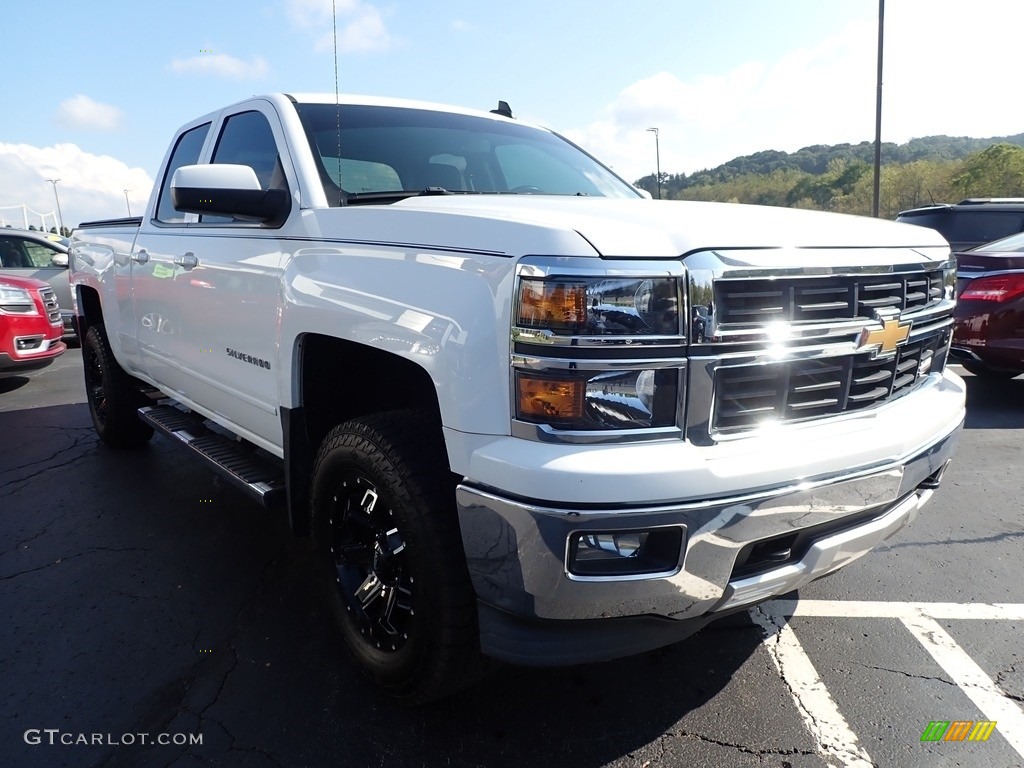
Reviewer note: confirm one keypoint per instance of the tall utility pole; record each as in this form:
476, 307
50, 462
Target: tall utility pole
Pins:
657, 158
878, 113
60, 216
127, 203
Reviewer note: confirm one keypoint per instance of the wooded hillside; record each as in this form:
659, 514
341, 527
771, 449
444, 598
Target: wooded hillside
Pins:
838, 177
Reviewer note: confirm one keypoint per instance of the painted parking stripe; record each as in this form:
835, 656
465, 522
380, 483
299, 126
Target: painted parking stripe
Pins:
866, 609
971, 679
920, 620
836, 740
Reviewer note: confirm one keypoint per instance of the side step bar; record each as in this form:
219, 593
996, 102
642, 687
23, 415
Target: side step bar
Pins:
260, 479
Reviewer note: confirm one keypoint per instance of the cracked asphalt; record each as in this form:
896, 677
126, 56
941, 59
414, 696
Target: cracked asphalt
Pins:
142, 595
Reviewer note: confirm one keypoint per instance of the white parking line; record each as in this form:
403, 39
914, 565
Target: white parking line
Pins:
971, 678
866, 609
835, 738
816, 706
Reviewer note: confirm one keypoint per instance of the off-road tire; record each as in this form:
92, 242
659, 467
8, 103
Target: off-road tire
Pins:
385, 527
114, 396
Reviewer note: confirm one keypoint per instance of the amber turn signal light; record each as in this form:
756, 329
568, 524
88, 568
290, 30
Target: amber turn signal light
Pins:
557, 305
549, 399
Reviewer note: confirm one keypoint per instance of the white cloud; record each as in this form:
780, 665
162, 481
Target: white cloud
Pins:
462, 26
361, 27
821, 94
221, 65
82, 113
90, 187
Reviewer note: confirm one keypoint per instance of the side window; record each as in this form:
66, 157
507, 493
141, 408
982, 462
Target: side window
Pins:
40, 255
12, 254
247, 139
186, 152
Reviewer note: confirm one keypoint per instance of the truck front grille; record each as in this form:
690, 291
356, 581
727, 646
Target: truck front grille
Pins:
824, 299
748, 396
50, 305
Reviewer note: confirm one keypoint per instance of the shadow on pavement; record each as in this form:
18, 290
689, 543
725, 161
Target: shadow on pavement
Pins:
145, 596
994, 403
11, 383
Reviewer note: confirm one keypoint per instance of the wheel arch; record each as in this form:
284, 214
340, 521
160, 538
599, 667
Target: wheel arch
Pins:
335, 381
90, 309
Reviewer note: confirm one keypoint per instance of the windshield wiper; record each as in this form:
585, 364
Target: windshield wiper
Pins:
393, 195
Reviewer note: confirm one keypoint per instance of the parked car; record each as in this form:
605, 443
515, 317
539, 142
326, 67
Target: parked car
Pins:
970, 222
988, 337
40, 256
30, 325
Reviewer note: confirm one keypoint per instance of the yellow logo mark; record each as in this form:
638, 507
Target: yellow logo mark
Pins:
891, 335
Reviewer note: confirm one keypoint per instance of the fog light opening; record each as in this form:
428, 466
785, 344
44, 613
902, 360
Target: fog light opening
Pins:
626, 553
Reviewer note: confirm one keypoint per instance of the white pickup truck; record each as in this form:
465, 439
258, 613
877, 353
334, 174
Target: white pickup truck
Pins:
465, 356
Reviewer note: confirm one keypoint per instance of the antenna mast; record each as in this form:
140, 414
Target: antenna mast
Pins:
337, 97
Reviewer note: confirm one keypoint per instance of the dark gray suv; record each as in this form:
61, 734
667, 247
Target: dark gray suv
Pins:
970, 222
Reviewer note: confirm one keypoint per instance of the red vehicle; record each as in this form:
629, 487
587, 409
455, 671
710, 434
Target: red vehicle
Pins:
988, 336
30, 325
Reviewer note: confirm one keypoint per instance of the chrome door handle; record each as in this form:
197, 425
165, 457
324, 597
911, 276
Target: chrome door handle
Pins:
140, 257
188, 261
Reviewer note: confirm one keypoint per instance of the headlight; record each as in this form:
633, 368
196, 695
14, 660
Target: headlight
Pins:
599, 306
16, 301
949, 280
589, 400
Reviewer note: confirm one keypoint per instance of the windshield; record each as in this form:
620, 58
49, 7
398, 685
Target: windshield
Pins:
1012, 243
405, 151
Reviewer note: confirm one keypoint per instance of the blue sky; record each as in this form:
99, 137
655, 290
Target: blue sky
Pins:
100, 87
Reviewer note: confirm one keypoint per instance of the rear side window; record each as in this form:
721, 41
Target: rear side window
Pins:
982, 226
186, 152
931, 220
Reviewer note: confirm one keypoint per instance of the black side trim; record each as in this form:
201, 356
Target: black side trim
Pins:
134, 221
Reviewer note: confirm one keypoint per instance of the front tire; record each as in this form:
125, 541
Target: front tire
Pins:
114, 396
386, 536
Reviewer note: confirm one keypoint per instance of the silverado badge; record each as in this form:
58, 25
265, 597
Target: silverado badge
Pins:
884, 334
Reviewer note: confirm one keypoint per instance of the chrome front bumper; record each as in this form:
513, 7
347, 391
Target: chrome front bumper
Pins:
516, 550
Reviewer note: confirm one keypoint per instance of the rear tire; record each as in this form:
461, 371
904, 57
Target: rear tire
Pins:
984, 372
387, 541
114, 396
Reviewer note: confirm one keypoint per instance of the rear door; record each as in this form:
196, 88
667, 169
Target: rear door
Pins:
157, 258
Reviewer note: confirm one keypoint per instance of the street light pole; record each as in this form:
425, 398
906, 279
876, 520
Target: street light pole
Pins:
127, 203
878, 114
60, 216
657, 157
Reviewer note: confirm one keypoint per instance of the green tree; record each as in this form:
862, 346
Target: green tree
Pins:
997, 171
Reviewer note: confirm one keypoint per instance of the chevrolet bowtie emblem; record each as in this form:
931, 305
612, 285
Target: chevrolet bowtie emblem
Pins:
885, 339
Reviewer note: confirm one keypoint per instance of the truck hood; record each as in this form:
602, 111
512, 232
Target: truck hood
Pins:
641, 228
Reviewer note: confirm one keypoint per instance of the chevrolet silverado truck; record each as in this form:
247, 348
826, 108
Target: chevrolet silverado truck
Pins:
460, 352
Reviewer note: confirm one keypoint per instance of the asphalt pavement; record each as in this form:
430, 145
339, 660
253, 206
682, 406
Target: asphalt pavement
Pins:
141, 595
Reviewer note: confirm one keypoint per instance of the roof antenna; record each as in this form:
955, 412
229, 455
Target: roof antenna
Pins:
337, 98
503, 109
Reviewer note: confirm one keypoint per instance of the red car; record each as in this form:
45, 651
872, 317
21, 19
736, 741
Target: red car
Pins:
30, 325
988, 336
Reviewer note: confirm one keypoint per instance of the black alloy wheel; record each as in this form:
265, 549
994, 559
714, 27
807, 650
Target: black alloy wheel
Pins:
114, 397
369, 559
388, 544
